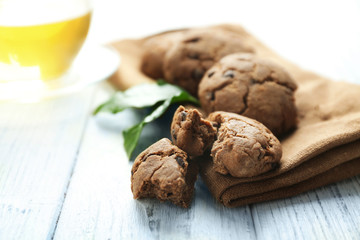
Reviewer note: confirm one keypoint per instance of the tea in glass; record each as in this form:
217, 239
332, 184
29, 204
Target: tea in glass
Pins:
40, 39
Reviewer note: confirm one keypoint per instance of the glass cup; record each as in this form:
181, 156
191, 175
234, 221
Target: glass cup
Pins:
39, 39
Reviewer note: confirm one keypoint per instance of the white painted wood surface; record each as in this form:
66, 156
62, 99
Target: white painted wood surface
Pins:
38, 148
64, 174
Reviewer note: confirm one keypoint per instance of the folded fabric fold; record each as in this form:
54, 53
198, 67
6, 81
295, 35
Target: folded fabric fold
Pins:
233, 192
338, 173
324, 148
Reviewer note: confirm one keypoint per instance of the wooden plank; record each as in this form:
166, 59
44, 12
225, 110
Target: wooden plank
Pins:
330, 212
38, 149
99, 203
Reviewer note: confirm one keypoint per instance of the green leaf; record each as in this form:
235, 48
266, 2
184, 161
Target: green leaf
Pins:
110, 106
161, 82
131, 137
184, 97
161, 94
157, 112
145, 95
132, 134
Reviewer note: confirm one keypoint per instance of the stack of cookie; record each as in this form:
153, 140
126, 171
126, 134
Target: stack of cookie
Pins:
249, 102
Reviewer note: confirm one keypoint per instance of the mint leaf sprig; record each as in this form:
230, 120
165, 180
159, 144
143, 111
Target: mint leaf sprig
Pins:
161, 95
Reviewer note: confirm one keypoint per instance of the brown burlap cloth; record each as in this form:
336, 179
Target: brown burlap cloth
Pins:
325, 147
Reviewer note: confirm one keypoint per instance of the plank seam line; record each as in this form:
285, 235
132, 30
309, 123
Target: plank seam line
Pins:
74, 164
253, 221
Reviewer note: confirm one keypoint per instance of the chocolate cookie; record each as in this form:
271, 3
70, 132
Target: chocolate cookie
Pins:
163, 171
253, 87
191, 133
244, 147
187, 61
154, 53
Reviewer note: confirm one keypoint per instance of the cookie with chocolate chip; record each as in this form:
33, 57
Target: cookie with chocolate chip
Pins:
162, 171
154, 53
192, 133
253, 87
186, 61
244, 147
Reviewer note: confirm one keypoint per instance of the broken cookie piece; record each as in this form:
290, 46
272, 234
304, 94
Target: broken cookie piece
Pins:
192, 133
251, 86
244, 147
240, 146
162, 171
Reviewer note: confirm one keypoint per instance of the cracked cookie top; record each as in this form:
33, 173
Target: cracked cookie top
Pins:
192, 133
186, 62
163, 171
244, 147
254, 87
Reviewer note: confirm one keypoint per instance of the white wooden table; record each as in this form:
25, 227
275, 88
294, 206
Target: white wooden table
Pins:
64, 173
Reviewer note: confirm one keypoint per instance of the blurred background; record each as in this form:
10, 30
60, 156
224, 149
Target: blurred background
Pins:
317, 35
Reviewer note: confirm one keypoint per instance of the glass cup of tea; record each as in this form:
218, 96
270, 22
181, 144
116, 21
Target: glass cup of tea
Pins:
39, 39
